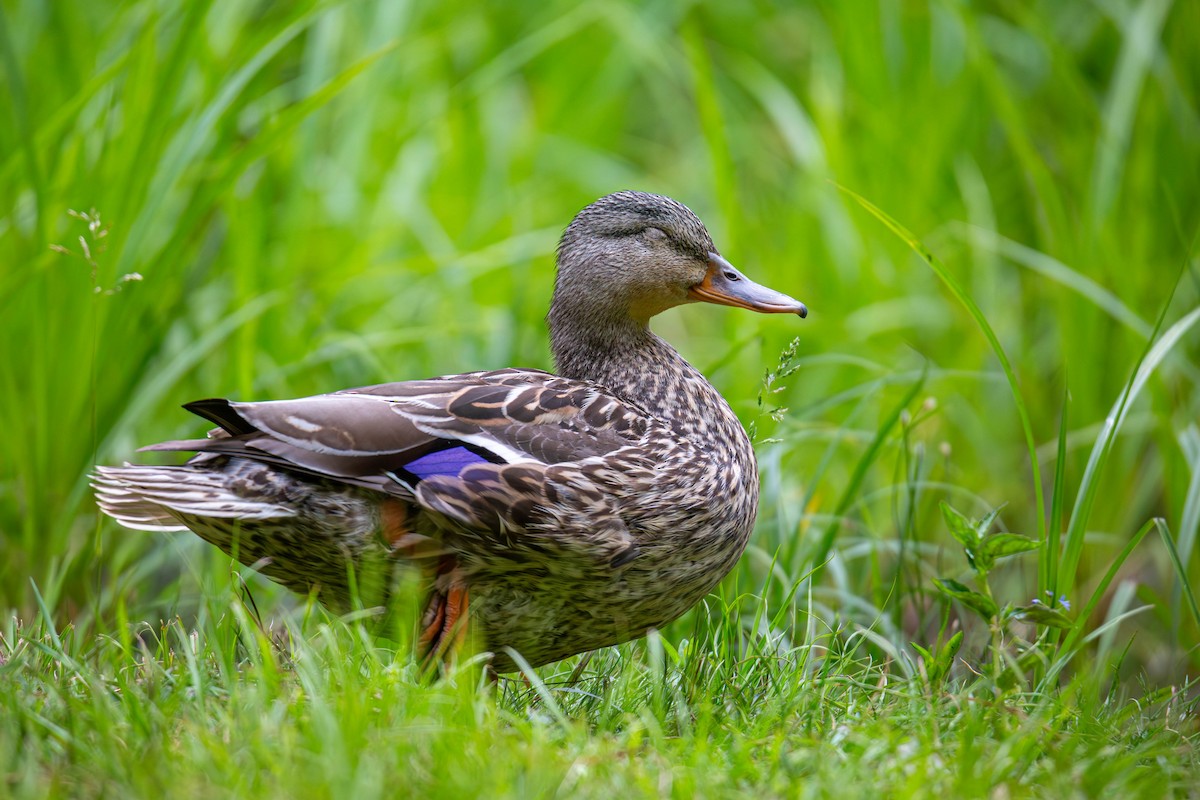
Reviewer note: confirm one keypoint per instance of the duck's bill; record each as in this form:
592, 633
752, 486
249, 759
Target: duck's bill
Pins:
726, 286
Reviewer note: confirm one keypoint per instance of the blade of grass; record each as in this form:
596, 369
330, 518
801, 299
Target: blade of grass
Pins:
20, 112
1065, 651
1189, 522
47, 617
1155, 353
960, 294
1048, 556
281, 126
153, 391
67, 113
1184, 583
1004, 102
539, 686
167, 81
821, 554
1141, 32
713, 125
197, 134
1112, 623
1060, 273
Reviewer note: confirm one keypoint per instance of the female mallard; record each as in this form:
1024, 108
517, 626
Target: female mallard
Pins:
575, 511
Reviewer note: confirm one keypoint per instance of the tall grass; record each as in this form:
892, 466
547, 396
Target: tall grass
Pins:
266, 200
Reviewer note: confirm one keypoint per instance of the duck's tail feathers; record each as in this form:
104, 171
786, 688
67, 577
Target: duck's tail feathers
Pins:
150, 498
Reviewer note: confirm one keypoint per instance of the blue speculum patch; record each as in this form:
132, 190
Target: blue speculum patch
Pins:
448, 462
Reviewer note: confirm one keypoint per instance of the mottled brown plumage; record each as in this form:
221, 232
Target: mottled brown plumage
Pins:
558, 513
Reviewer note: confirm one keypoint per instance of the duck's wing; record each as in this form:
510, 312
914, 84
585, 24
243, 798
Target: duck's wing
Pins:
498, 453
392, 436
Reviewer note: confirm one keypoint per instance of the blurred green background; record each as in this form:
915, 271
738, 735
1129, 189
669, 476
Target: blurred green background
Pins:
264, 200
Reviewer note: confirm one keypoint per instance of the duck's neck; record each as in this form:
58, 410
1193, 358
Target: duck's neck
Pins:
629, 360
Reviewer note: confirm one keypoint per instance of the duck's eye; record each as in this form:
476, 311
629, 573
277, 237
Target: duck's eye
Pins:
654, 235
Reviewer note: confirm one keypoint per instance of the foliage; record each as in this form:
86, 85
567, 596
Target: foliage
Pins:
982, 550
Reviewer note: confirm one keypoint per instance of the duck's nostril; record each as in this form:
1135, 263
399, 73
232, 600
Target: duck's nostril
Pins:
732, 276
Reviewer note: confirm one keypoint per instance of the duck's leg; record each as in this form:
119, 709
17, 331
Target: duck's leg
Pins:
444, 623
404, 542
444, 620
432, 622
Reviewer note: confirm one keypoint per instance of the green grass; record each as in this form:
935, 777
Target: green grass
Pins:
315, 195
318, 708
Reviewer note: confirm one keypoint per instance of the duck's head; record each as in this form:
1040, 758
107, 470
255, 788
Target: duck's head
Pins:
631, 255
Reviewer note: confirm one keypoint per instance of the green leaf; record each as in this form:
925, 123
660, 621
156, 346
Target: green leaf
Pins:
985, 522
1043, 615
980, 562
984, 606
1003, 545
961, 528
945, 658
936, 667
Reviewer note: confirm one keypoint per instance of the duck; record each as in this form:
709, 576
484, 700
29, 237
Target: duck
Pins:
547, 514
